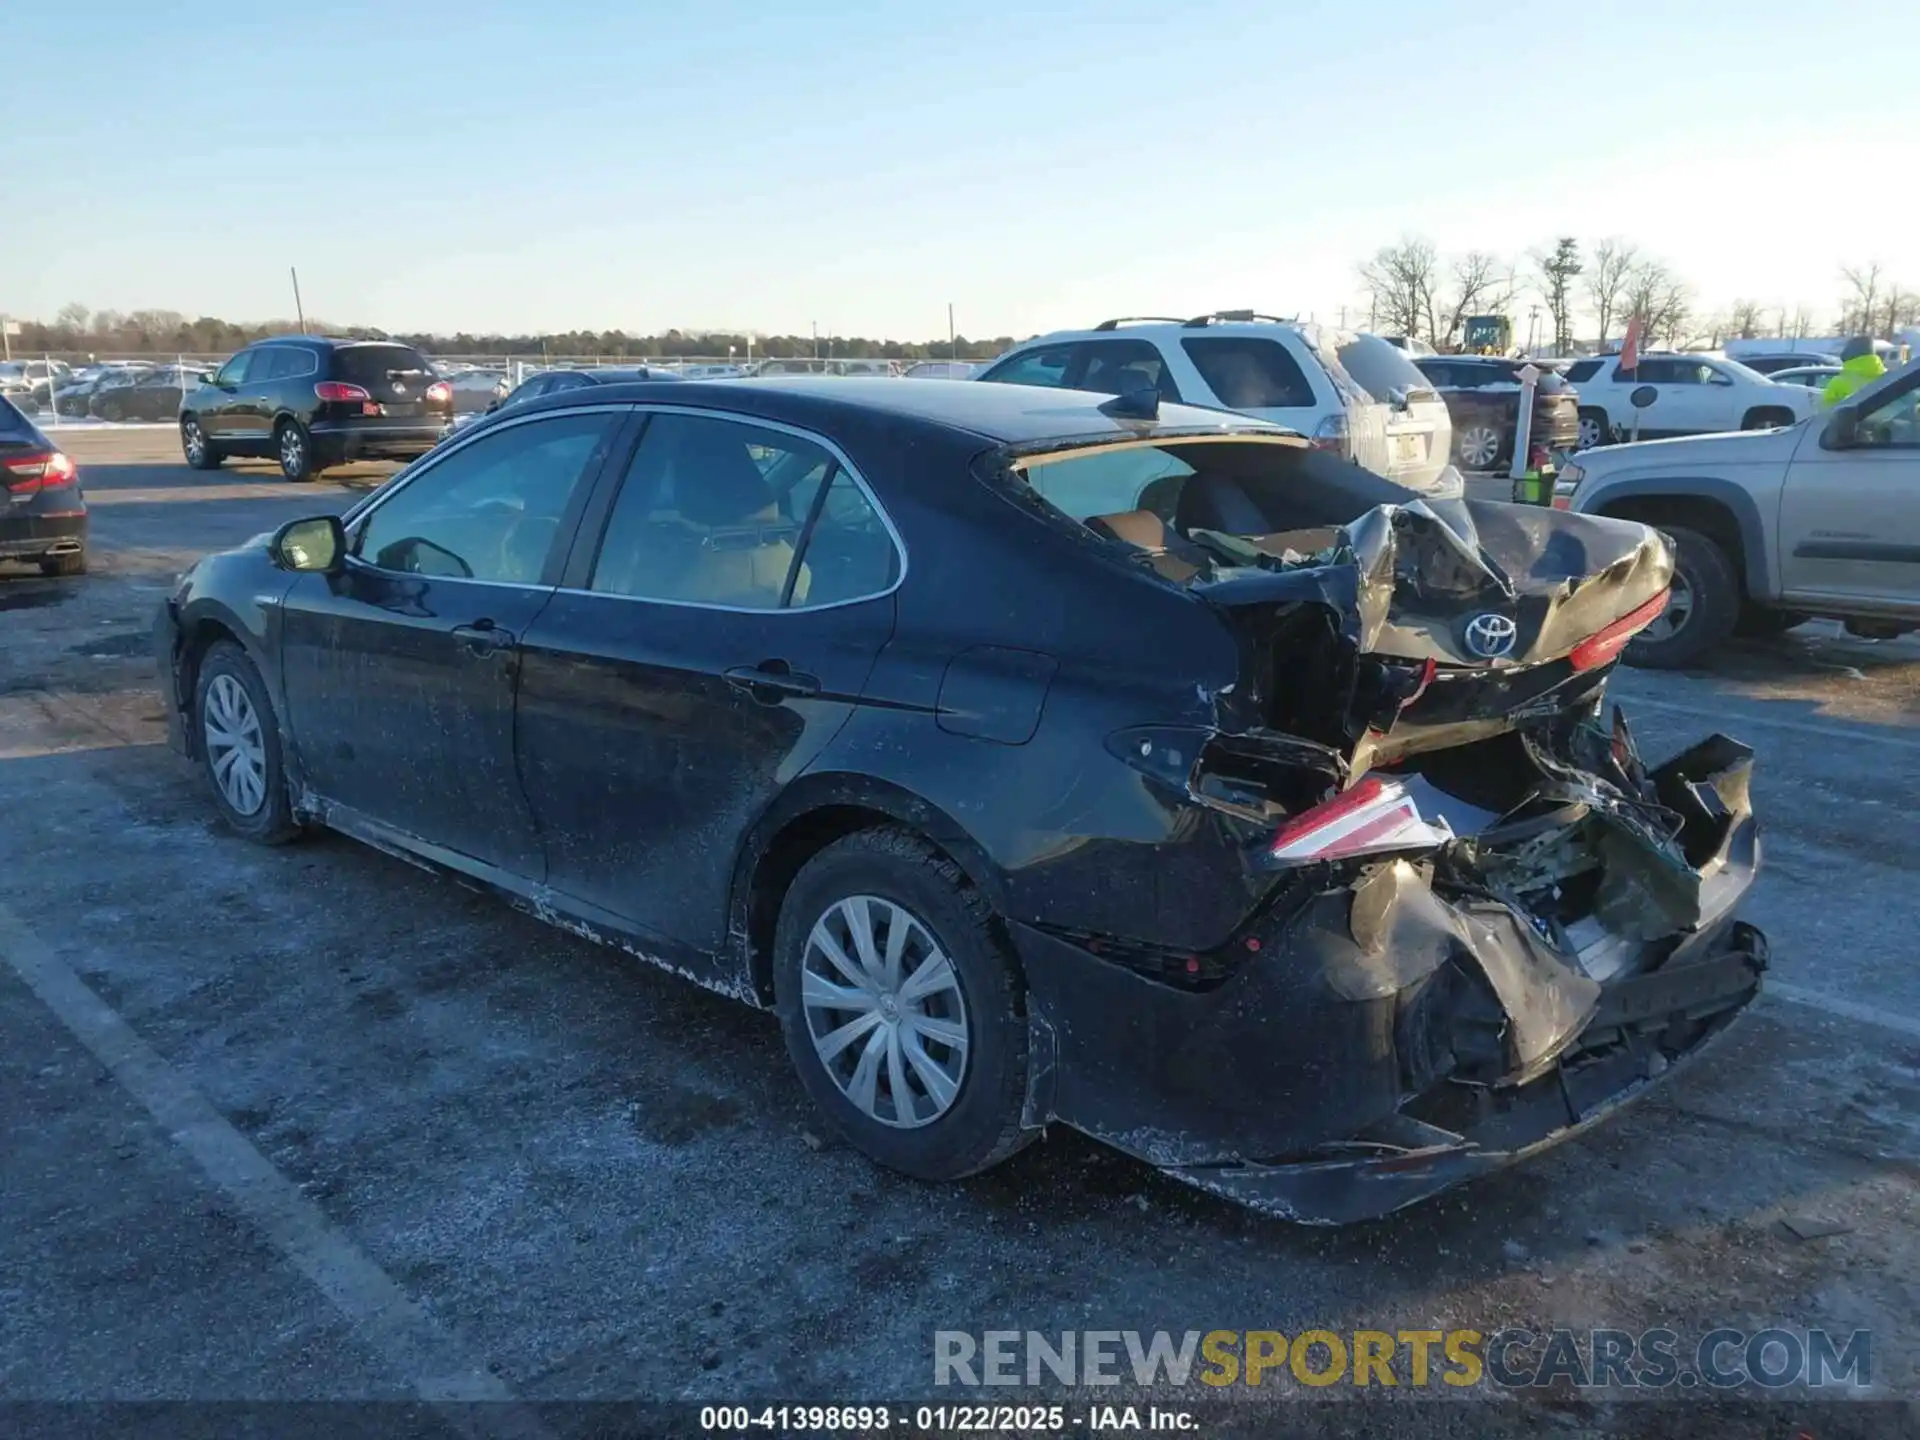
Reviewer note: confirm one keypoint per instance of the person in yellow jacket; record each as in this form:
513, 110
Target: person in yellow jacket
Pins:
1859, 366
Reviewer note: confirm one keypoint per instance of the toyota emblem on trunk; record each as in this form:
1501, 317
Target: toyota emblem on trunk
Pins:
1491, 636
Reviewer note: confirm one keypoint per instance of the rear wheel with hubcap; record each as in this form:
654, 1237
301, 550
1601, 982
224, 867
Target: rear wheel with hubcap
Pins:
1593, 429
194, 444
295, 449
901, 1007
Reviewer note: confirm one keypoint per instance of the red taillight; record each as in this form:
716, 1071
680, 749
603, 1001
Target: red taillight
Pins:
43, 470
1374, 814
341, 392
439, 390
1601, 646
1331, 434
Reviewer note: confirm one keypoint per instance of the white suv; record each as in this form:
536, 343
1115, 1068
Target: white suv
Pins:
1355, 395
1695, 394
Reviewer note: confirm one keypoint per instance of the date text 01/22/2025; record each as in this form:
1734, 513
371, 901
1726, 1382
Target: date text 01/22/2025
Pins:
941, 1419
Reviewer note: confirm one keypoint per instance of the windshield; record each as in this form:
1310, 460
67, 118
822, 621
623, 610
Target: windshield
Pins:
1742, 372
1165, 496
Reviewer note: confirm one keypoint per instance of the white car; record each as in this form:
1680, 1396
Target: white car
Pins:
1694, 394
942, 370
1814, 377
1354, 395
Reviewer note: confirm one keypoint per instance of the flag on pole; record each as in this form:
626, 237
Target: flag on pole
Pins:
1630, 347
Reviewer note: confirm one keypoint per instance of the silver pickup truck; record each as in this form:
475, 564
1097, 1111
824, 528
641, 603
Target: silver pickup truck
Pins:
1773, 527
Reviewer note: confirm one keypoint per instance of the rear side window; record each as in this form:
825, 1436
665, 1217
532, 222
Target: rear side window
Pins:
1582, 371
1045, 367
377, 364
1379, 369
713, 512
1121, 367
1249, 374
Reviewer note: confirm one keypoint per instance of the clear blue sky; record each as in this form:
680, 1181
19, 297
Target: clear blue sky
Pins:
543, 164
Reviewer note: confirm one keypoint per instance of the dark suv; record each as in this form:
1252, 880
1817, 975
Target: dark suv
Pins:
311, 403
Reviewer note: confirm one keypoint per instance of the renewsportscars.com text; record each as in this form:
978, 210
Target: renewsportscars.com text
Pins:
1720, 1359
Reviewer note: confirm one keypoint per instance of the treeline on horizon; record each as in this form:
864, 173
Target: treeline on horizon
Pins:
78, 331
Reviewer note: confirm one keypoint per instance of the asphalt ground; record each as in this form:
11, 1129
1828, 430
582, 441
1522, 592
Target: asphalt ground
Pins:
313, 1124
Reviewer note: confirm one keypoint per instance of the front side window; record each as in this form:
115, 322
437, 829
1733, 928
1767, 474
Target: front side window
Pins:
1045, 367
717, 512
234, 372
1246, 373
490, 510
1894, 423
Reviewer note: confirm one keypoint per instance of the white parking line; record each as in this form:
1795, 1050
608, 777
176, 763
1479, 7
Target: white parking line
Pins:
394, 1326
1734, 718
1845, 1009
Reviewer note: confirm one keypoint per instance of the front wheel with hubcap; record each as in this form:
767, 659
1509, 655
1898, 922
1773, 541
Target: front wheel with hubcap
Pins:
1703, 605
239, 745
1477, 446
196, 447
295, 448
902, 1008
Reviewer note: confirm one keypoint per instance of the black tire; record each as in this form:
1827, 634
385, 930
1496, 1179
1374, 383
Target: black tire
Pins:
72, 563
110, 410
207, 455
1765, 417
273, 822
293, 447
982, 1125
1759, 622
1593, 422
1714, 586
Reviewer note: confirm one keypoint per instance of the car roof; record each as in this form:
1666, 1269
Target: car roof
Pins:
1220, 323
1002, 414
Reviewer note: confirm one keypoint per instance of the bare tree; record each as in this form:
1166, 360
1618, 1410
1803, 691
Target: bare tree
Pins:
1482, 284
1859, 310
1903, 308
1557, 272
1801, 325
1614, 261
1661, 300
1743, 319
1401, 280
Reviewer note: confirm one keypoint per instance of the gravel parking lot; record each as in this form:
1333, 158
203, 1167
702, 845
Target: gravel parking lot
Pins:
310, 1123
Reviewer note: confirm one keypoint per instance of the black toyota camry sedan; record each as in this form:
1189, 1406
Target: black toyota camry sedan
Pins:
1037, 756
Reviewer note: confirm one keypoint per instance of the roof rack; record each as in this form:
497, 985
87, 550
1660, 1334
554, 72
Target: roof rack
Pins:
1238, 317
1115, 324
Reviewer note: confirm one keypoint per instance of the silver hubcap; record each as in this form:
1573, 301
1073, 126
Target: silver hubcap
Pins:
1479, 445
235, 751
885, 1012
290, 449
1674, 618
1589, 434
196, 443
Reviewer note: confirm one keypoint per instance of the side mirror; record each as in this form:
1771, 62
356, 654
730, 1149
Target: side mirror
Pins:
317, 544
1643, 396
1841, 426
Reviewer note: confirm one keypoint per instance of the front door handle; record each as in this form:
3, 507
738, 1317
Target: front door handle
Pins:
772, 681
483, 639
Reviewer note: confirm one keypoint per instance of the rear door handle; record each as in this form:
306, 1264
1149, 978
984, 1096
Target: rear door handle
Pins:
483, 639
772, 681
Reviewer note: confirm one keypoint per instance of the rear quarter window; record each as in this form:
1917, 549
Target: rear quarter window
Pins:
1247, 373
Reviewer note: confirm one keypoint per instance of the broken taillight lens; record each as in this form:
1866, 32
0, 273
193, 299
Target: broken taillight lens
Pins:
1603, 645
1375, 814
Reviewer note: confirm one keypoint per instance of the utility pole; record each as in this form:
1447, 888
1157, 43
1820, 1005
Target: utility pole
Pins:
298, 308
953, 343
816, 338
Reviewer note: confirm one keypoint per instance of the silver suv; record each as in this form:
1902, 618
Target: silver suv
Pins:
1355, 395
